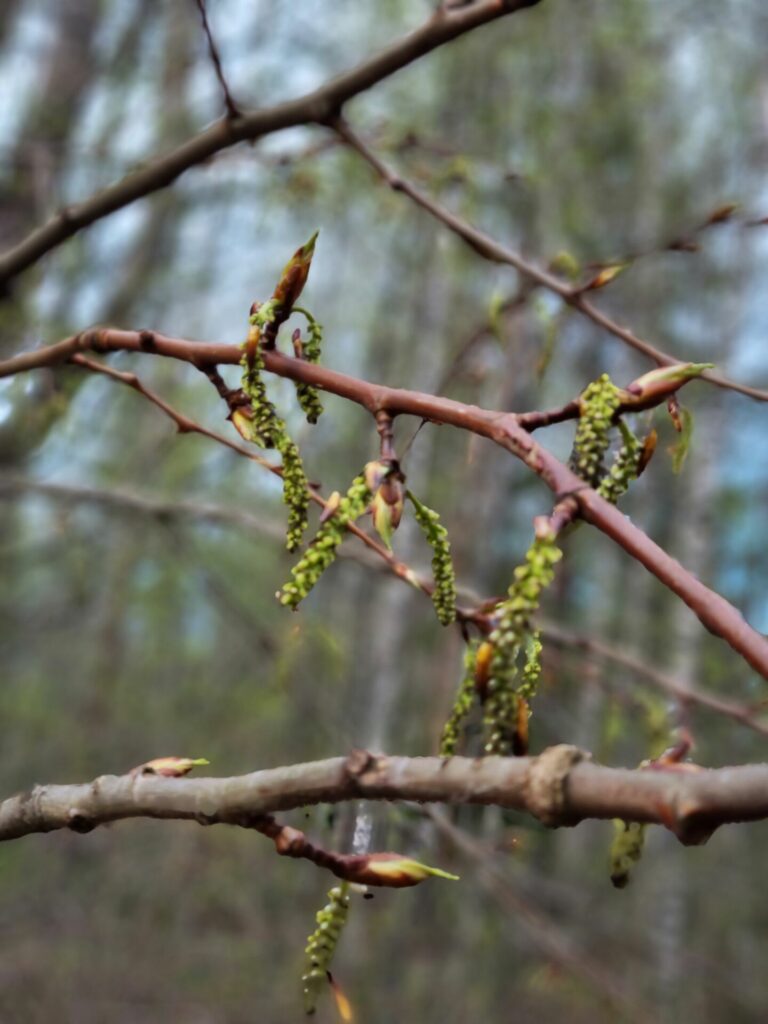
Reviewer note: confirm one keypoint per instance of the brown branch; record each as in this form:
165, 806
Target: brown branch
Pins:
717, 615
493, 251
317, 107
560, 787
232, 108
184, 424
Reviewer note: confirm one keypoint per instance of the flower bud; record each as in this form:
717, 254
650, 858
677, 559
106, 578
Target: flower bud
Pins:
387, 506
171, 767
294, 276
657, 385
390, 869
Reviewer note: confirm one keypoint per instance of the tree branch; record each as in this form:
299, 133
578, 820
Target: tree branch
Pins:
494, 252
317, 107
231, 107
506, 429
560, 787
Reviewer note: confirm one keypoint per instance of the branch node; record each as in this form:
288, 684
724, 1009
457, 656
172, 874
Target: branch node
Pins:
359, 763
547, 783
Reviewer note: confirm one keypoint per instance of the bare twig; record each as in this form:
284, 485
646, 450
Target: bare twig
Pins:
493, 251
232, 108
317, 107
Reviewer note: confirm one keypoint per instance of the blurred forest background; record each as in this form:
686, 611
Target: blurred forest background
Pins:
139, 567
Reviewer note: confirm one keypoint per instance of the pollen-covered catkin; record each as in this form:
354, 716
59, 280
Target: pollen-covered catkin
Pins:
624, 469
444, 593
462, 705
322, 943
322, 551
598, 404
512, 625
307, 395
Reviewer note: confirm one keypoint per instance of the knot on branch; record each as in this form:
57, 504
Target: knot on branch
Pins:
546, 786
360, 763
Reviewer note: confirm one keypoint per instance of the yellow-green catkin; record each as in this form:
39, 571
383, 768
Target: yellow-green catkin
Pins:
598, 404
322, 943
265, 424
322, 551
307, 395
462, 705
444, 593
626, 850
624, 468
532, 668
512, 625
268, 430
295, 492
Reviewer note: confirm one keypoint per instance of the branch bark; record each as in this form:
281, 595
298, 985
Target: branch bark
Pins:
560, 787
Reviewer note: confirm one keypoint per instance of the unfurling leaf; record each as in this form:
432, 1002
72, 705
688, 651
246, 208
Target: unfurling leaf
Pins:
391, 870
171, 767
387, 505
605, 276
679, 451
656, 385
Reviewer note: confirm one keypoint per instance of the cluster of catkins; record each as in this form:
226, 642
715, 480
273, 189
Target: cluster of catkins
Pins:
492, 671
506, 703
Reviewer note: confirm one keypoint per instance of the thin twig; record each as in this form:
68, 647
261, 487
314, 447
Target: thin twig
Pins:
493, 251
233, 110
505, 429
317, 107
669, 684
